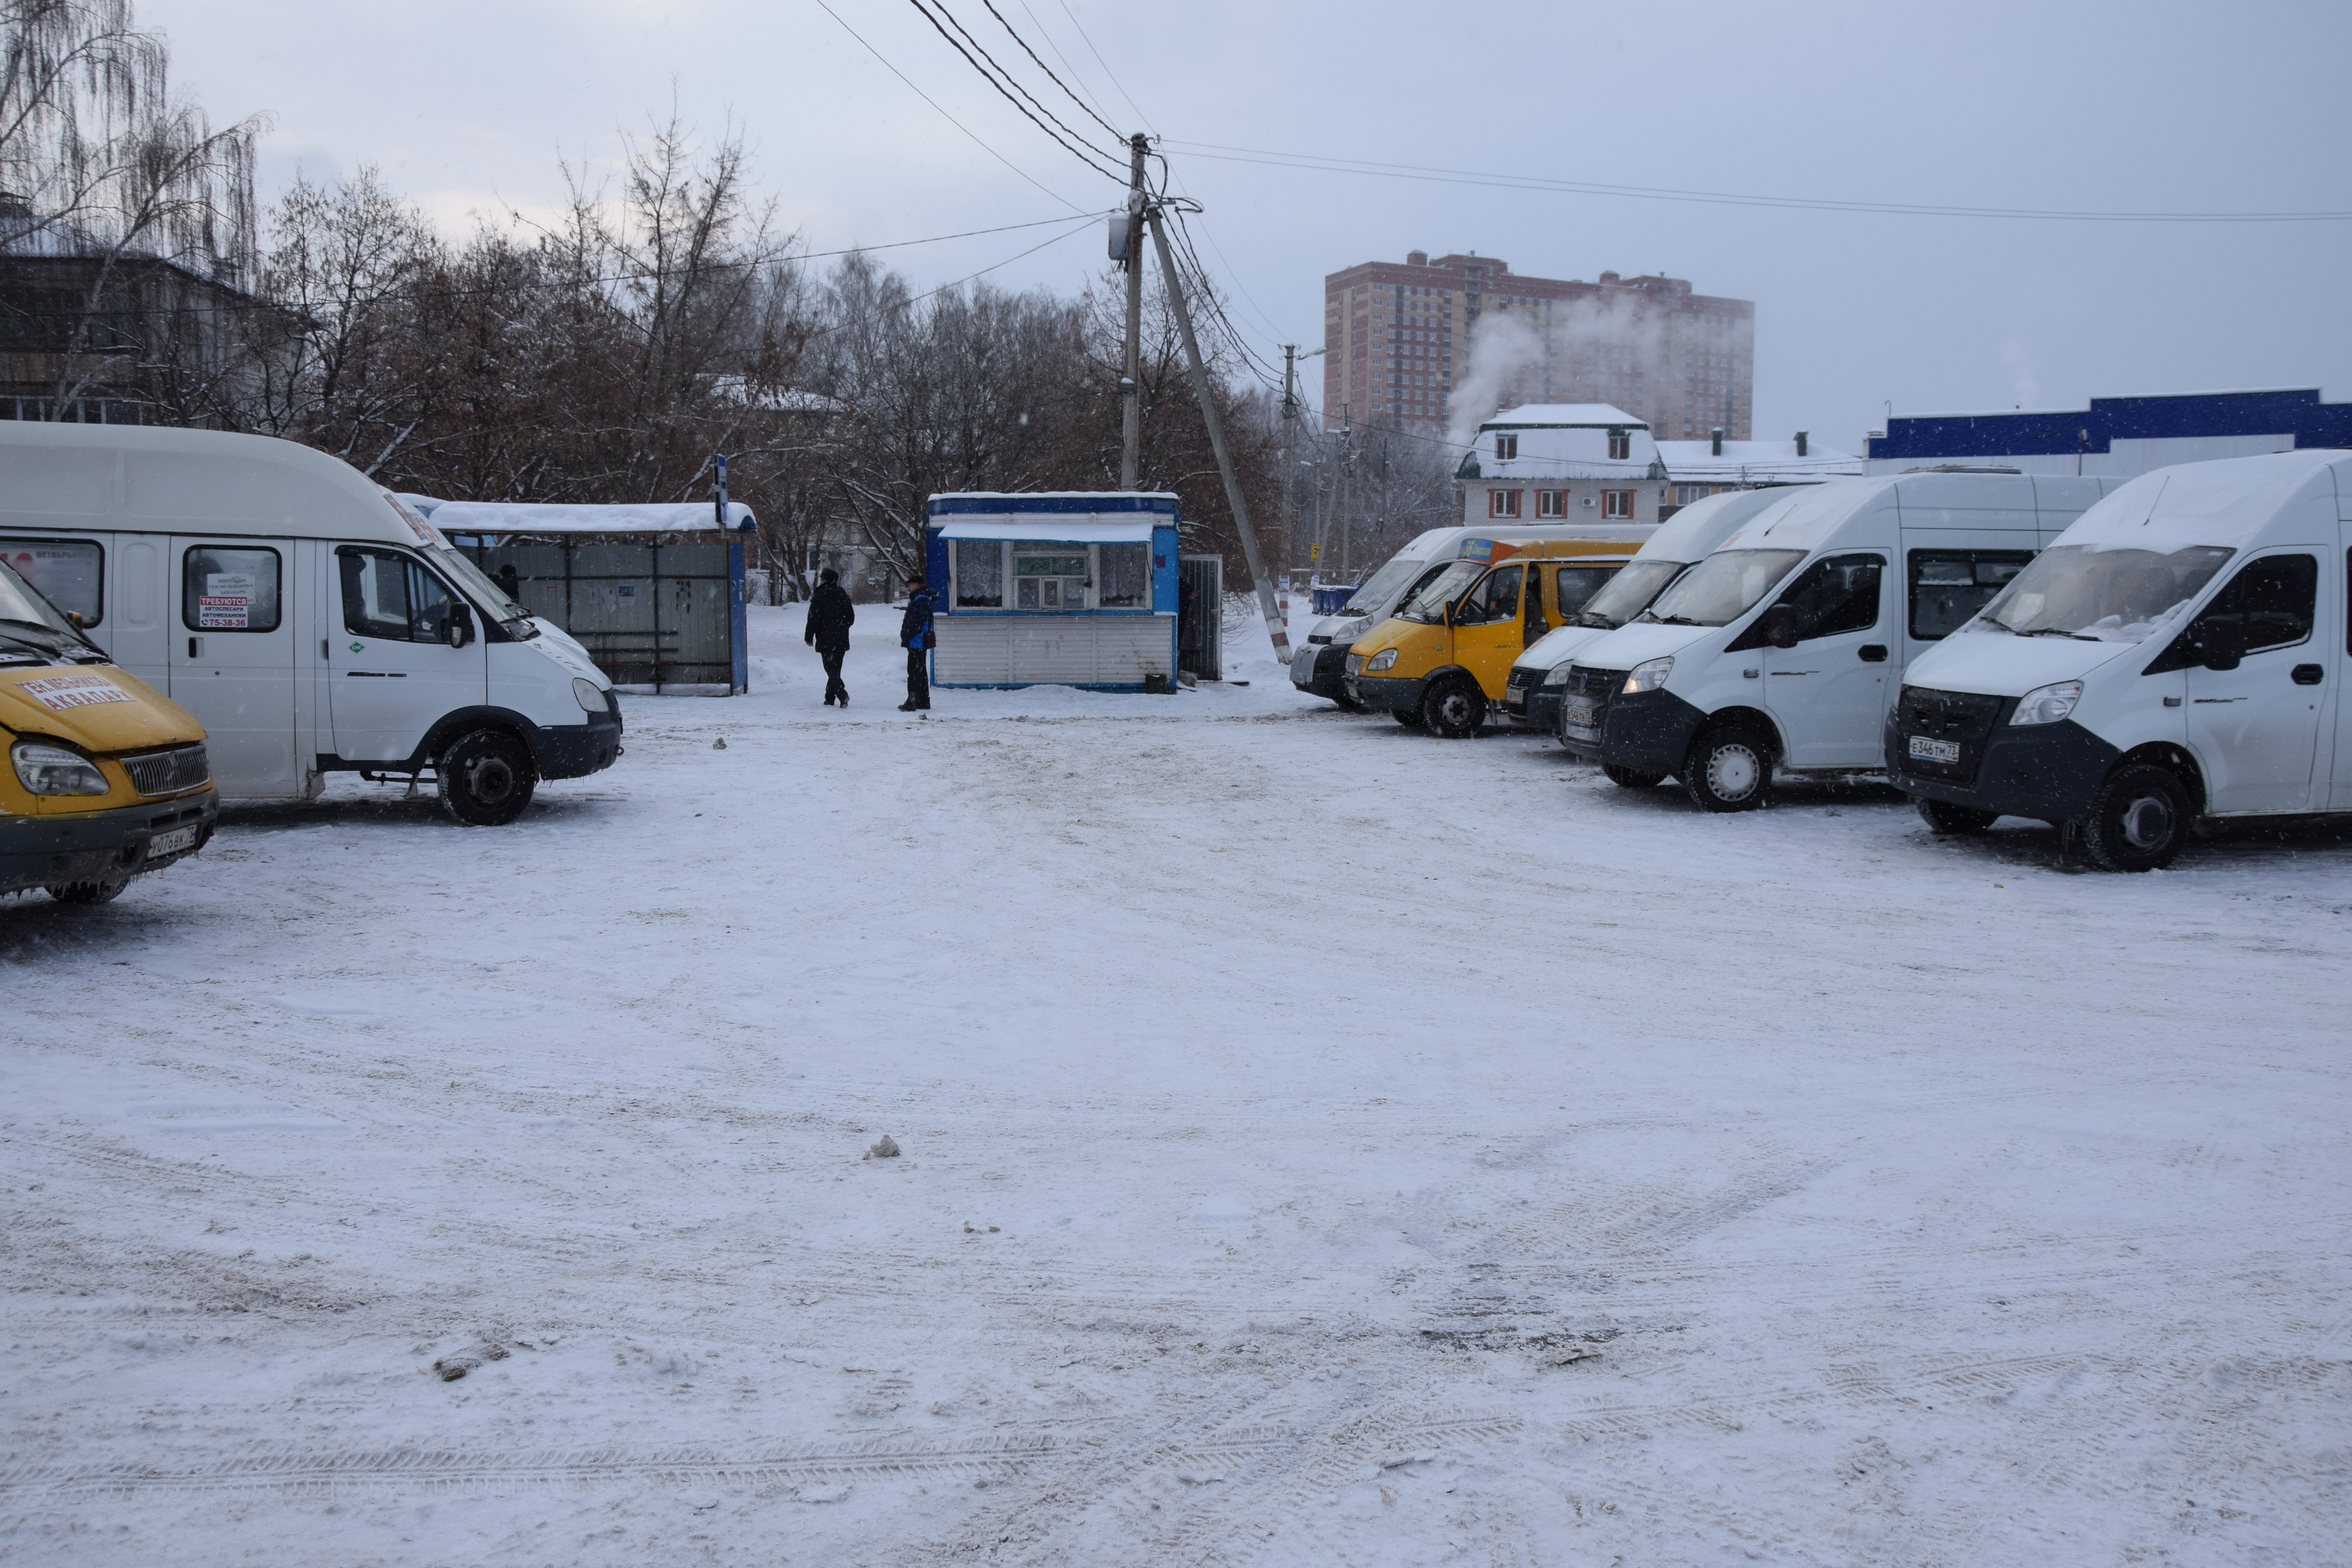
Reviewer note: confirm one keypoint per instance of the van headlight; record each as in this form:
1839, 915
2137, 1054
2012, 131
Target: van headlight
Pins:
53, 770
2047, 704
589, 695
1382, 659
1558, 675
1648, 676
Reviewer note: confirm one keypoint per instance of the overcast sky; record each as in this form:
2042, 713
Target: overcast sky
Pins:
468, 106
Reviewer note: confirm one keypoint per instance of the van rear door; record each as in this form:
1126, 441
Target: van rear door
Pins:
232, 658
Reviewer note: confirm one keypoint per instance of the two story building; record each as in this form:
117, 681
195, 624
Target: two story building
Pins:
1562, 462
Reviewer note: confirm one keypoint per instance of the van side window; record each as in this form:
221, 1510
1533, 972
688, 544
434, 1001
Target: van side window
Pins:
70, 573
392, 597
2274, 598
1495, 598
229, 588
1950, 586
1836, 594
1577, 584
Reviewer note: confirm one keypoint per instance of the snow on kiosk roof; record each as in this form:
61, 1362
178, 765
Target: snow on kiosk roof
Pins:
546, 518
1053, 588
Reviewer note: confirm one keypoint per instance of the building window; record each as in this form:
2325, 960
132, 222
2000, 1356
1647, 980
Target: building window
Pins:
1550, 503
1049, 582
1685, 494
1502, 503
1124, 580
979, 575
1621, 445
1506, 449
1617, 505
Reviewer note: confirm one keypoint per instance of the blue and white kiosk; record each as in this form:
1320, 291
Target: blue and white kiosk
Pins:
1053, 588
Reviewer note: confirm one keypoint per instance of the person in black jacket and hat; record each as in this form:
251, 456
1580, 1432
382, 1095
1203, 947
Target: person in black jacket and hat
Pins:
830, 616
915, 636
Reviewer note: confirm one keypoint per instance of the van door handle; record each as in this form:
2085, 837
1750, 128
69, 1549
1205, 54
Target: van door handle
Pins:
1874, 653
2309, 675
196, 648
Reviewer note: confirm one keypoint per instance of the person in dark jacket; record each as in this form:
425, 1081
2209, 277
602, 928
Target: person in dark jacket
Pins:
915, 636
830, 617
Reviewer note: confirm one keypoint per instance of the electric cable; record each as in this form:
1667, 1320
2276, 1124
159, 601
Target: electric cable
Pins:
1057, 81
1098, 54
950, 118
1068, 145
1320, 164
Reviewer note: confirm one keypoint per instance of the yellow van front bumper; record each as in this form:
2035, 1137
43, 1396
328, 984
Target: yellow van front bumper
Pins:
103, 846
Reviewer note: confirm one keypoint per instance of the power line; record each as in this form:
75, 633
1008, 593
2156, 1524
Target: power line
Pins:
950, 118
1073, 16
1068, 143
1320, 164
1092, 99
1057, 81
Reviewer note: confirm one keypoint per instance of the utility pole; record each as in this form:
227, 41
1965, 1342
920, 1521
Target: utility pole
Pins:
1130, 394
1203, 392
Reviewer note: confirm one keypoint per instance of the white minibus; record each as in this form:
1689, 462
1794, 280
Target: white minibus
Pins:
2179, 653
1785, 646
310, 620
1540, 674
1319, 664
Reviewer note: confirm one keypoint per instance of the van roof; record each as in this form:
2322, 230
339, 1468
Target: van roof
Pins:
146, 478
1705, 523
1807, 517
2232, 502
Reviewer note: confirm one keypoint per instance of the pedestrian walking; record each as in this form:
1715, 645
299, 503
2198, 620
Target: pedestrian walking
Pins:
915, 636
509, 583
830, 617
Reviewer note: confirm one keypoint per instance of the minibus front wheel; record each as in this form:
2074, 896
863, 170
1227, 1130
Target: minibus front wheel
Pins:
1729, 769
2138, 819
1455, 708
1964, 821
486, 778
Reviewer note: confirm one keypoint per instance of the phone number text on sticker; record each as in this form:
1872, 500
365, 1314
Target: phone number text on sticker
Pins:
59, 692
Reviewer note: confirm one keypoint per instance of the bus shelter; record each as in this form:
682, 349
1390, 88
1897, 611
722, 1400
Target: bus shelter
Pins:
654, 592
1058, 588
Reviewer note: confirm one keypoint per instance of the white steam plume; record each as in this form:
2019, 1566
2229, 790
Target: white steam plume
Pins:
1581, 341
1500, 347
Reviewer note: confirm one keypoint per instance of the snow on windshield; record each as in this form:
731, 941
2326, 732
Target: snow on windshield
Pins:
2110, 595
1719, 589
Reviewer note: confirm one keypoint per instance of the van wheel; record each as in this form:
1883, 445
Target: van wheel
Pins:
1630, 778
486, 778
1728, 769
2138, 820
1348, 705
103, 892
1943, 817
1455, 708
1408, 717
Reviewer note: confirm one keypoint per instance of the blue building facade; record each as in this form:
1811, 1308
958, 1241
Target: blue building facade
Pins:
2117, 435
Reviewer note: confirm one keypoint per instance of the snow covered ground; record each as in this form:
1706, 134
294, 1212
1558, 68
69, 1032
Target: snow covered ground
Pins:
1321, 1143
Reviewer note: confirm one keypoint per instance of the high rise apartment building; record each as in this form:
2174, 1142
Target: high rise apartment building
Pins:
1397, 340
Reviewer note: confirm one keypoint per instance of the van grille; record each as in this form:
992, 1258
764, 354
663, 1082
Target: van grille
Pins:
1522, 676
1583, 681
168, 773
1965, 718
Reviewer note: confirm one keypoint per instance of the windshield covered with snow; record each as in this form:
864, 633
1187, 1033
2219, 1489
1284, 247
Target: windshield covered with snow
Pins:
1390, 581
1723, 587
2100, 596
1429, 602
1626, 595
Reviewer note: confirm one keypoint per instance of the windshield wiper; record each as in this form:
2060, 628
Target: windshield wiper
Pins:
1586, 619
1673, 621
2056, 632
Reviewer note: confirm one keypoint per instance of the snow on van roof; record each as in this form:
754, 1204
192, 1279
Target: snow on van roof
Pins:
538, 517
1706, 522
2227, 501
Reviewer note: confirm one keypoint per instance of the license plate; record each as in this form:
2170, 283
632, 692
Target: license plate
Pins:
172, 843
1927, 749
1577, 716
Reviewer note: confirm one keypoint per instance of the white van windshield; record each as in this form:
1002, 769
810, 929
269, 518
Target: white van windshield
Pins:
1626, 595
1428, 603
2100, 596
484, 592
1721, 588
1384, 584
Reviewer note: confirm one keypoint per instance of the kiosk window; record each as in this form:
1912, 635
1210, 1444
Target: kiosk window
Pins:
979, 575
2274, 598
392, 597
1494, 599
1124, 580
228, 588
70, 573
1950, 586
1839, 594
1056, 582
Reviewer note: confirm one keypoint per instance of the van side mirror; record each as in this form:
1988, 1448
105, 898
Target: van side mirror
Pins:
2220, 644
1781, 626
461, 625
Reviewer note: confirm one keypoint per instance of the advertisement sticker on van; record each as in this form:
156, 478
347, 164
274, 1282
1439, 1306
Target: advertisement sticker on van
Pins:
59, 692
227, 603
